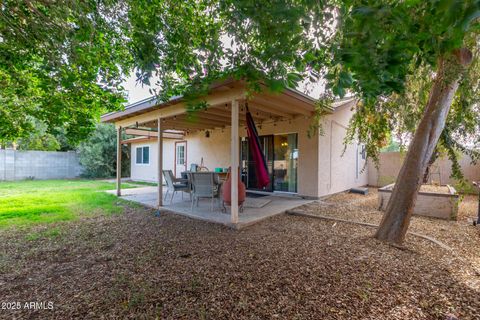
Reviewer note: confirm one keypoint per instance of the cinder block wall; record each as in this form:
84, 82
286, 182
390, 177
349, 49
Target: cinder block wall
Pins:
40, 165
391, 162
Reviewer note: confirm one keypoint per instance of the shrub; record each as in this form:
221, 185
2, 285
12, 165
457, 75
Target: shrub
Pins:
98, 154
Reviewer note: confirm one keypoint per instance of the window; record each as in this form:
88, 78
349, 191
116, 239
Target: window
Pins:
180, 155
143, 155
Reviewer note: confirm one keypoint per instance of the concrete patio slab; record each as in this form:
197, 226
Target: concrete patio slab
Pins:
255, 209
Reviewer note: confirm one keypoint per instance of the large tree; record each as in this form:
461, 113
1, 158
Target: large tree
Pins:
380, 46
374, 47
61, 63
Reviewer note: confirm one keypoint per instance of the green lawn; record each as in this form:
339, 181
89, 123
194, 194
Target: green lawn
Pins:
25, 203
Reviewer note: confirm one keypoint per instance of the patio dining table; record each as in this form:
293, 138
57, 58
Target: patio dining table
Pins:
219, 177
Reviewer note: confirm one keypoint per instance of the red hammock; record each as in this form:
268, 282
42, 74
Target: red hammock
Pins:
261, 170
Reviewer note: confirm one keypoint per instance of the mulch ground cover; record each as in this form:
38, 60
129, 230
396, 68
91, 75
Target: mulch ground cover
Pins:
136, 265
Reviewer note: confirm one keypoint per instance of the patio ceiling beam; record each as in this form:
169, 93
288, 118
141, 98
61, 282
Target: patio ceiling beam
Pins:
285, 99
141, 132
217, 112
241, 116
172, 125
258, 106
292, 96
151, 134
281, 105
216, 98
176, 125
202, 120
215, 117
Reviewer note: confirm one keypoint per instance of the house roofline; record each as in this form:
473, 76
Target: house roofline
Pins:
152, 103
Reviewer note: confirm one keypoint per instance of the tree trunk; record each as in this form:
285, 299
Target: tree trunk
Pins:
432, 160
399, 210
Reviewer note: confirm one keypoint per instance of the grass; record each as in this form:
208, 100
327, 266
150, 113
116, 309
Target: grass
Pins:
30, 202
142, 183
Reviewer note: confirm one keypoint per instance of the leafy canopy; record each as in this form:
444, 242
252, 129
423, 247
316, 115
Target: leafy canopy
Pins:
61, 63
390, 50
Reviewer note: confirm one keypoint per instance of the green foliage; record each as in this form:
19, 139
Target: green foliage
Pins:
65, 143
39, 139
194, 43
382, 52
98, 153
61, 62
378, 41
391, 49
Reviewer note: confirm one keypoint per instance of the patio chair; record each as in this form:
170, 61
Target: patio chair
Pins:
174, 184
204, 185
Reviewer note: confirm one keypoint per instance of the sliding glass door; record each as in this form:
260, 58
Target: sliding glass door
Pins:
281, 154
248, 164
285, 163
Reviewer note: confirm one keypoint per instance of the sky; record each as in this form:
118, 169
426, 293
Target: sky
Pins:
137, 92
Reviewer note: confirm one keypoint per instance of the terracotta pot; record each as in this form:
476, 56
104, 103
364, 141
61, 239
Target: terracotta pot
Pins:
227, 189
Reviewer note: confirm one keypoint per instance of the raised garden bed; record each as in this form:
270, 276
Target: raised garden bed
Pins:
432, 201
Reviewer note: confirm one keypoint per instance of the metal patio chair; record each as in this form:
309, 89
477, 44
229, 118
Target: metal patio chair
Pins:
175, 184
204, 185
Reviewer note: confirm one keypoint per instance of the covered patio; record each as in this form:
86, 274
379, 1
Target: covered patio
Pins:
255, 208
226, 104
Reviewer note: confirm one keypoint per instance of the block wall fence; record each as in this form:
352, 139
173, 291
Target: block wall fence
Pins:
39, 165
391, 162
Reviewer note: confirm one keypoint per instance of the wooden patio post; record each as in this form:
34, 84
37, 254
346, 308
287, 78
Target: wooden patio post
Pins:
119, 161
160, 164
234, 162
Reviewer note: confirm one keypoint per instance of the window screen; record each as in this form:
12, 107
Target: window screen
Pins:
142, 155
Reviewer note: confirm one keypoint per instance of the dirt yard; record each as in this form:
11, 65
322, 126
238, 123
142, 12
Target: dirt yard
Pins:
136, 265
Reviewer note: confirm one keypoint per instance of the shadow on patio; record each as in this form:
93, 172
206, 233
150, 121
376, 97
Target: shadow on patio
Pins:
255, 208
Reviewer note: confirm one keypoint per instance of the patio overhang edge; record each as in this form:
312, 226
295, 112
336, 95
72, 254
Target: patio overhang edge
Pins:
178, 108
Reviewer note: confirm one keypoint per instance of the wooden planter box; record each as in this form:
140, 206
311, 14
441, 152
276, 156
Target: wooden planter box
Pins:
429, 204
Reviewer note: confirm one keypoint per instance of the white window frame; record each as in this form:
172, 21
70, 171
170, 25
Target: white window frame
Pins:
178, 154
136, 154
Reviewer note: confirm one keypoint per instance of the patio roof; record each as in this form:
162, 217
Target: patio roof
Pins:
264, 106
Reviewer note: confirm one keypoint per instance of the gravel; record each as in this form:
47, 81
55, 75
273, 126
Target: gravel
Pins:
136, 265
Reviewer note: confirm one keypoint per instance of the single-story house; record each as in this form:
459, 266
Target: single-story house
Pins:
310, 166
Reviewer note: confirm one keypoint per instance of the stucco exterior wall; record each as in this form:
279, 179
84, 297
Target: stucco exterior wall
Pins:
214, 150
391, 162
323, 167
148, 172
340, 168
